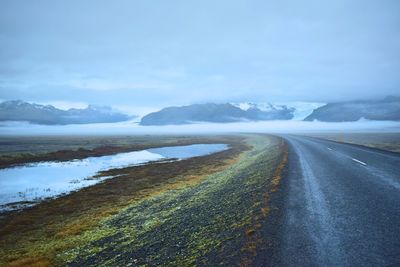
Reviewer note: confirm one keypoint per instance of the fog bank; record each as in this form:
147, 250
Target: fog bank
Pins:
132, 128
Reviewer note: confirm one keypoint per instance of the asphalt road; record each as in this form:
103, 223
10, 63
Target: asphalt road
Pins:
341, 206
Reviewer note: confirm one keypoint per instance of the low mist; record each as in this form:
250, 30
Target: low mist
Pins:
132, 128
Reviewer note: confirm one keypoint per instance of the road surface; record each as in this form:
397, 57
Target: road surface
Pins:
341, 206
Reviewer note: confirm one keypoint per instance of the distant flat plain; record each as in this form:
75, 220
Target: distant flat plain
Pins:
384, 141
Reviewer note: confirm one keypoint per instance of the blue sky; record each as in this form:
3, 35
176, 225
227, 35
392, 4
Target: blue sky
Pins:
159, 53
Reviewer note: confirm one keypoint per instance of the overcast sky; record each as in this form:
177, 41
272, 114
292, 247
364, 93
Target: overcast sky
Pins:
158, 53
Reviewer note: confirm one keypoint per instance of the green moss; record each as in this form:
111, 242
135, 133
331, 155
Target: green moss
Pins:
187, 226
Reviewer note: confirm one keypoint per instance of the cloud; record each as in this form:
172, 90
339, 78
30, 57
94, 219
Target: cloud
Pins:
107, 85
175, 52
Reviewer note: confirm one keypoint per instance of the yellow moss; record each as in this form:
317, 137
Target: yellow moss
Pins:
30, 262
252, 240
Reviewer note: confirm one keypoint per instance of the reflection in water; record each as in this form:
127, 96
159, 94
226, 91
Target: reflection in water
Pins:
33, 182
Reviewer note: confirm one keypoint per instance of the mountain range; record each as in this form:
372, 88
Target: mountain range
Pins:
17, 110
383, 109
217, 113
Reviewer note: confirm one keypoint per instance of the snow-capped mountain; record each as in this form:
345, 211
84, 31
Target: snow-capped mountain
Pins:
18, 110
260, 106
300, 109
216, 113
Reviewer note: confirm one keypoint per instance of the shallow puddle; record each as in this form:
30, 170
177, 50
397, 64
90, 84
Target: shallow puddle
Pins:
27, 184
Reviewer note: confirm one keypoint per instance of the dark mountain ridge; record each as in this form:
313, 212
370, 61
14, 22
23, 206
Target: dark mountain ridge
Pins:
384, 109
219, 113
17, 110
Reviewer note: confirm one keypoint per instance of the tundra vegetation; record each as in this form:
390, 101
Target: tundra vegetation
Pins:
215, 209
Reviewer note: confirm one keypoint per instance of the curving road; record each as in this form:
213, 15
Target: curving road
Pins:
342, 205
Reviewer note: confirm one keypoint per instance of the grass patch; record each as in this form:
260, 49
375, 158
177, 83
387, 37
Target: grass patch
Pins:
201, 211
38, 234
211, 222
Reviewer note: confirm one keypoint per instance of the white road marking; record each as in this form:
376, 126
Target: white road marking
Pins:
358, 161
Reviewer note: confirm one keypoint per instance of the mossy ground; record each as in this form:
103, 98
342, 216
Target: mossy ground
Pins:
203, 224
202, 213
